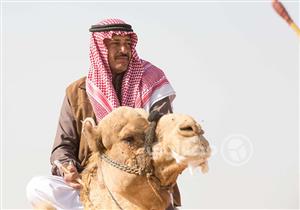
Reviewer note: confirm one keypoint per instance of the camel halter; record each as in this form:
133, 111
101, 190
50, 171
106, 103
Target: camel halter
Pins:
137, 171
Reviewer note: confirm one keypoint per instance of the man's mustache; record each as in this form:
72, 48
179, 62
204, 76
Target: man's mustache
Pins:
122, 56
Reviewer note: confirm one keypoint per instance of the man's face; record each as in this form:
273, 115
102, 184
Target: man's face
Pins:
119, 53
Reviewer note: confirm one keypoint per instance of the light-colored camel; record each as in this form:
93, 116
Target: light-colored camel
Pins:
120, 174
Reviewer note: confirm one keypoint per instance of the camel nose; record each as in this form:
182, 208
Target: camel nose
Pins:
189, 128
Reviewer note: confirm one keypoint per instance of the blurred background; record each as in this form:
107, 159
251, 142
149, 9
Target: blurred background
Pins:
234, 66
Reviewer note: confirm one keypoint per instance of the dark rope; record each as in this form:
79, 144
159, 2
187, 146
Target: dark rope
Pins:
150, 136
110, 193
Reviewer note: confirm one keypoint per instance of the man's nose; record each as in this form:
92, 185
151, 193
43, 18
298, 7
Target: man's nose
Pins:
124, 48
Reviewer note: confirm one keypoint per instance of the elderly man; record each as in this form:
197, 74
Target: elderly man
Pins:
117, 77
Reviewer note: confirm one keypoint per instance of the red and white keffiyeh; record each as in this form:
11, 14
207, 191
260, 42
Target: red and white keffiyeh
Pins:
143, 84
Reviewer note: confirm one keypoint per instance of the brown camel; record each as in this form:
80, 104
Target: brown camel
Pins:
125, 173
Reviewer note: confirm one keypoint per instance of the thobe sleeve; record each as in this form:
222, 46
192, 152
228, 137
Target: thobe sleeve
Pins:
66, 143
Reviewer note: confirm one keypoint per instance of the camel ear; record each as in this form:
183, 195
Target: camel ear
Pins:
92, 134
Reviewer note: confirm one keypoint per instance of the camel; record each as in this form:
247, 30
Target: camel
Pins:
124, 172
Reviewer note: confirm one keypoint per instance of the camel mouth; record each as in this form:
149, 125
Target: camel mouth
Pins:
188, 159
186, 128
191, 162
194, 147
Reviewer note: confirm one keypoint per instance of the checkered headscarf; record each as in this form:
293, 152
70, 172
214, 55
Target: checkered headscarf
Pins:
141, 80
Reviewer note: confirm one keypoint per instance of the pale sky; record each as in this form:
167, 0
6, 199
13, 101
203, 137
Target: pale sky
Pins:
234, 66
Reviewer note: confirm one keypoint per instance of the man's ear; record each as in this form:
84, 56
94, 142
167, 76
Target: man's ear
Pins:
92, 134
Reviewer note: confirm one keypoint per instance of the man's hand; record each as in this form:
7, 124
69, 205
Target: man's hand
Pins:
71, 176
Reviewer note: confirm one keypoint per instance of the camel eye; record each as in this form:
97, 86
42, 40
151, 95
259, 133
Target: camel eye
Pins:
128, 139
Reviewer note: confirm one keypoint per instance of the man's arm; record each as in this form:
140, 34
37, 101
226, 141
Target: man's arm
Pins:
66, 143
163, 106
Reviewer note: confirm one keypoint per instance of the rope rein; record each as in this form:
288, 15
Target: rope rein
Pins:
110, 193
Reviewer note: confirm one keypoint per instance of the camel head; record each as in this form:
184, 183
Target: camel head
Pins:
120, 135
181, 144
